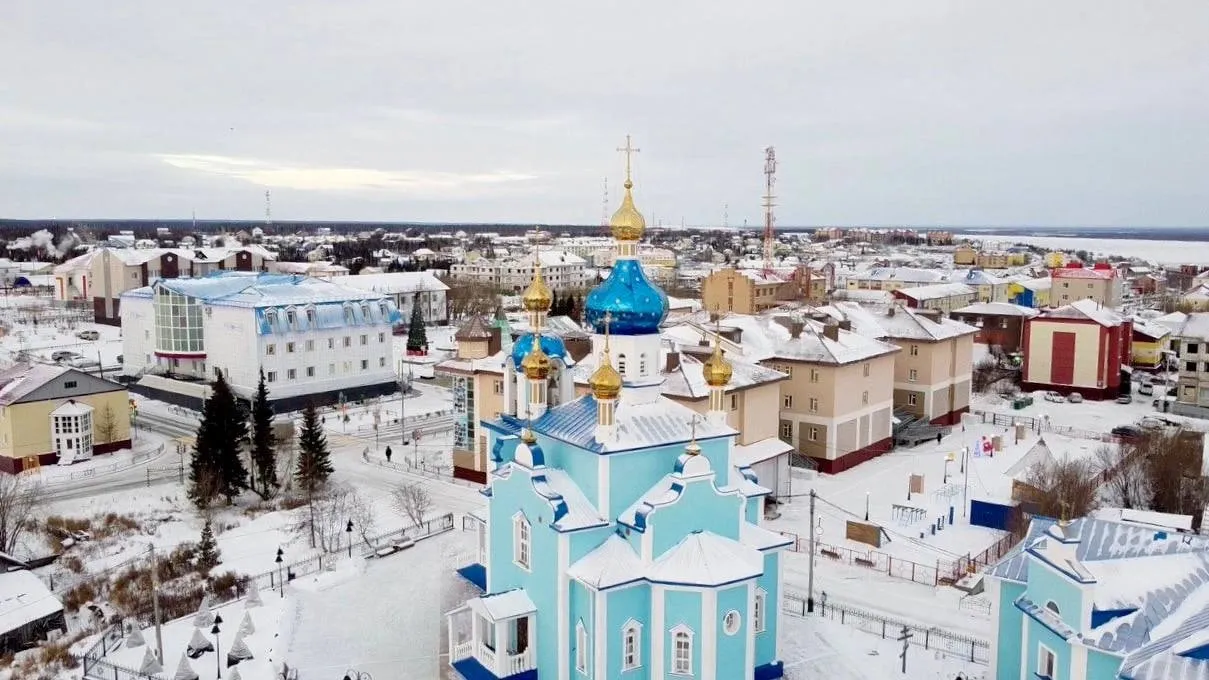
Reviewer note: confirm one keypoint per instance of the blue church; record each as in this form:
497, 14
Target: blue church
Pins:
618, 541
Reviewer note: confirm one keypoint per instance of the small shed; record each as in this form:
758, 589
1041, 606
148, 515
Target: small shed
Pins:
1004, 516
28, 611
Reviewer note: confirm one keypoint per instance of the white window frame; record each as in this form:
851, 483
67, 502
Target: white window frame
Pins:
581, 647
522, 542
732, 617
682, 664
788, 401
912, 375
631, 645
914, 350
1042, 652
757, 615
814, 404
912, 399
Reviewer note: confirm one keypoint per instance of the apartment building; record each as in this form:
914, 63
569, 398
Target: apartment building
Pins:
1101, 283
939, 297
1191, 345
563, 271
932, 371
1033, 293
741, 291
893, 278
103, 275
999, 324
407, 290
1081, 347
988, 287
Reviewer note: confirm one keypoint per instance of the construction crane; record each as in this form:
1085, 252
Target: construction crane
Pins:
770, 178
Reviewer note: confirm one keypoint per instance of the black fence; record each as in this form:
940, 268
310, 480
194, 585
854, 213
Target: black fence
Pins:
947, 642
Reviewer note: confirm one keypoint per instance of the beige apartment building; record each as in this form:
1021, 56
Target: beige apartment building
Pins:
477, 376
893, 278
740, 291
1074, 282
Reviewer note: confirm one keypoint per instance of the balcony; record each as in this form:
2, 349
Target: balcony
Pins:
493, 637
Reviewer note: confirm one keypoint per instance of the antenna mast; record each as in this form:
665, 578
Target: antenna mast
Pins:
770, 178
268, 208
604, 205
725, 215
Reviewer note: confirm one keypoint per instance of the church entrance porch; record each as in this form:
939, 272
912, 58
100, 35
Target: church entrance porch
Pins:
493, 636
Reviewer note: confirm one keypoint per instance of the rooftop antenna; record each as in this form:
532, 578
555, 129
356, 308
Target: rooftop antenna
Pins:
770, 178
268, 208
725, 215
604, 205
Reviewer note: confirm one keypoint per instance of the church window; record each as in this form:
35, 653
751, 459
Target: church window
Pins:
621, 364
682, 650
520, 541
581, 648
631, 646
757, 615
1052, 606
731, 622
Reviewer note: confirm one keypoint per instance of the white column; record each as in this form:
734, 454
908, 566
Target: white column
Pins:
749, 653
658, 631
501, 650
564, 584
449, 633
708, 649
775, 604
599, 657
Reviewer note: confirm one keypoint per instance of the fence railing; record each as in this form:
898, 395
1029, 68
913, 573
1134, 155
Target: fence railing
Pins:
68, 477
927, 574
1040, 425
972, 649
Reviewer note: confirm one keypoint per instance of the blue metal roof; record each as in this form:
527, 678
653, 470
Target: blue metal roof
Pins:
552, 345
636, 305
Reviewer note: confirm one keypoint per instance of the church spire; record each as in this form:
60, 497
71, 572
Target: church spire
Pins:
606, 386
717, 372
537, 298
627, 223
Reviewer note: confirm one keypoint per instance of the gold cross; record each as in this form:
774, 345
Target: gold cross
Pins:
628, 149
608, 319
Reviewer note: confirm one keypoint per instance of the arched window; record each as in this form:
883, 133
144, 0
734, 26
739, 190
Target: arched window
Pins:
520, 541
758, 615
348, 314
631, 645
621, 364
1053, 607
581, 647
682, 650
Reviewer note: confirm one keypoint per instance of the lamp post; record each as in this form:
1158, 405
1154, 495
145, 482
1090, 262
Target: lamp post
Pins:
867, 505
217, 647
948, 459
349, 530
280, 581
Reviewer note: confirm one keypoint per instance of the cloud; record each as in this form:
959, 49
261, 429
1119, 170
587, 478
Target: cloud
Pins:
276, 175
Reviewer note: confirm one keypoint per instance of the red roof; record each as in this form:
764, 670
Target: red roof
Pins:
1082, 273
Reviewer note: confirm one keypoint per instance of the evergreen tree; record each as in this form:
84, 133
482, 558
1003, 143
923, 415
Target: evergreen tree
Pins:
554, 303
417, 335
217, 468
264, 454
208, 556
314, 460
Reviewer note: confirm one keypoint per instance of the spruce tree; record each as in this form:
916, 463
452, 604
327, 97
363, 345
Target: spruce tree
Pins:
217, 468
417, 335
314, 460
208, 556
264, 455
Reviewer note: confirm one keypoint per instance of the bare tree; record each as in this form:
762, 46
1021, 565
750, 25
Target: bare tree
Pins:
19, 496
1063, 488
106, 425
327, 516
1125, 481
1172, 459
412, 501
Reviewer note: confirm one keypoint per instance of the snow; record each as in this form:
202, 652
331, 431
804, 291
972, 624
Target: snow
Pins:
706, 559
1086, 309
1159, 252
998, 308
610, 564
509, 604
1117, 583
746, 455
24, 599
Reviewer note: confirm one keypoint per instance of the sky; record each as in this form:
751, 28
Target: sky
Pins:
927, 113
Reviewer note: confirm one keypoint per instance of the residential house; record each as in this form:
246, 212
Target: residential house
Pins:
1191, 344
1149, 342
1095, 599
1101, 283
893, 278
1035, 293
989, 288
1081, 347
741, 291
53, 414
999, 324
941, 297
563, 271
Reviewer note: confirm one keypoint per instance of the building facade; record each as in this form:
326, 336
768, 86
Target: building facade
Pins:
1191, 346
741, 291
1101, 283
1081, 347
56, 415
564, 272
407, 290
940, 297
999, 324
618, 539
317, 341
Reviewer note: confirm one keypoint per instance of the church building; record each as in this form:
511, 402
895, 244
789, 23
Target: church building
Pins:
618, 540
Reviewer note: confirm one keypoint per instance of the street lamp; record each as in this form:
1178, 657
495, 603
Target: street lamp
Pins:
217, 647
948, 459
357, 675
867, 505
280, 581
349, 530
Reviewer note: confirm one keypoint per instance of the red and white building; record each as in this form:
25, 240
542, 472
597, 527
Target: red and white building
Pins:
1101, 283
1081, 347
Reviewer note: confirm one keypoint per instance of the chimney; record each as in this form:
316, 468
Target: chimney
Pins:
845, 324
673, 361
795, 328
831, 331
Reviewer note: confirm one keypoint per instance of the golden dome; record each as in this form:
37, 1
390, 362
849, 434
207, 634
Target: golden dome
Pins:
693, 448
627, 224
605, 381
536, 364
537, 296
717, 370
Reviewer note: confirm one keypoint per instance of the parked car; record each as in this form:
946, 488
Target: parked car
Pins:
62, 355
1074, 398
1126, 432
1125, 399
1146, 389
1054, 396
88, 335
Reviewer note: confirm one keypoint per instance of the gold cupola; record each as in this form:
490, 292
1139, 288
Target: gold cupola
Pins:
537, 297
536, 364
605, 380
627, 224
717, 370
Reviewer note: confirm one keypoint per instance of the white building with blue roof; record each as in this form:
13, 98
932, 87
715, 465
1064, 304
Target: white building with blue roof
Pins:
1095, 599
619, 540
316, 340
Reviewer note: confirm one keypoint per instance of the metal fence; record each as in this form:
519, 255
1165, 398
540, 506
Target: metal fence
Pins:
927, 574
975, 650
66, 478
94, 665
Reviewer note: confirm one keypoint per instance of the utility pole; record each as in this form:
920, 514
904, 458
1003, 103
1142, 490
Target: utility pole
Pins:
810, 572
965, 489
904, 638
155, 604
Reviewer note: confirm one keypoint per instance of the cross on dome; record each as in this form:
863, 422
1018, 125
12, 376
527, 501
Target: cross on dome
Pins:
693, 447
629, 150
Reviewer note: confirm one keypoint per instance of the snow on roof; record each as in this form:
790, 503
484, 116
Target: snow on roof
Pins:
264, 290
997, 309
766, 337
907, 274
396, 282
502, 606
24, 599
1150, 329
554, 258
897, 322
610, 564
937, 291
639, 426
1118, 585
1149, 518
706, 559
77, 264
1086, 309
581, 513
744, 455
19, 380
760, 538
687, 380
1041, 283
72, 408
1195, 326
1083, 273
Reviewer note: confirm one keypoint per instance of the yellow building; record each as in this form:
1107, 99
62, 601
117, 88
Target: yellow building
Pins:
965, 255
1055, 259
52, 414
741, 291
1149, 341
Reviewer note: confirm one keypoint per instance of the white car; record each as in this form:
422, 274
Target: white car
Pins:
1054, 396
1146, 389
1074, 398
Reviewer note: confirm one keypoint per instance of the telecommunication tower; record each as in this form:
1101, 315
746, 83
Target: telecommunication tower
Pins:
268, 208
604, 205
770, 178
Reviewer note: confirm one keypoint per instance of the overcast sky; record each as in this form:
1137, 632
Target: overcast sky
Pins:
897, 112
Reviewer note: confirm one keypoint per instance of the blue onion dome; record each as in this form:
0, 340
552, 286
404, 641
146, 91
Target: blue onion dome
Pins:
551, 345
637, 306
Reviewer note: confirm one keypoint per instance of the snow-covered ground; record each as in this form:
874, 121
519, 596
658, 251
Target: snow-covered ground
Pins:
815, 648
1160, 252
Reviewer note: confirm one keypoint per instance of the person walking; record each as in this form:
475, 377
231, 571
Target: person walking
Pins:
938, 436
388, 454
